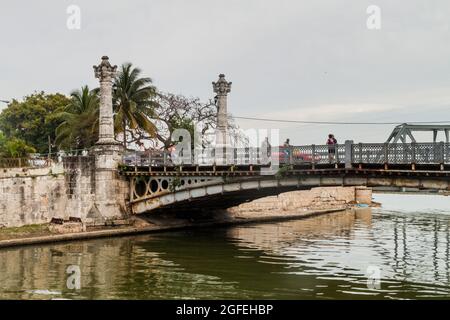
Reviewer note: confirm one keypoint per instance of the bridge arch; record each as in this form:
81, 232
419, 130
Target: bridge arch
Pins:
223, 192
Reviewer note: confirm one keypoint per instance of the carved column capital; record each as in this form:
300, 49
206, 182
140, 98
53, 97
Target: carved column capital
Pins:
222, 87
105, 71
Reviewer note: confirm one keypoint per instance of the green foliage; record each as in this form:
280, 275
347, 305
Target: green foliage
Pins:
78, 127
31, 120
124, 167
176, 182
72, 122
179, 122
133, 103
14, 148
283, 171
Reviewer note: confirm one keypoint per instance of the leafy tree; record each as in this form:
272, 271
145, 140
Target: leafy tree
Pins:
79, 120
133, 102
14, 148
31, 120
180, 112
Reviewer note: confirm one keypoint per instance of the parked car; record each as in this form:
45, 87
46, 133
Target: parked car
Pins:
298, 156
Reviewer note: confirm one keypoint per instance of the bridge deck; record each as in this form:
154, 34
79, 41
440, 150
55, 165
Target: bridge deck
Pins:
157, 183
432, 170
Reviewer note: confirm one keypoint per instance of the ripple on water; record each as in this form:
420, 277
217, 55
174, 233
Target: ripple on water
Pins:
325, 258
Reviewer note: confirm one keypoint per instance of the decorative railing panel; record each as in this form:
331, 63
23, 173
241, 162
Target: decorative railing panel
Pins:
360, 153
25, 162
401, 153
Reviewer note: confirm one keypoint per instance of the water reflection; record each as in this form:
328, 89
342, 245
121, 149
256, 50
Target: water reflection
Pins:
325, 257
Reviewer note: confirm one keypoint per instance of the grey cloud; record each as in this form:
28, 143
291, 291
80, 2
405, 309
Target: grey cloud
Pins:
280, 55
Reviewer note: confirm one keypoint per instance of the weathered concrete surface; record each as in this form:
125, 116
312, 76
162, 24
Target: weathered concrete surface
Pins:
111, 191
90, 188
321, 198
236, 187
105, 72
32, 196
67, 227
35, 196
363, 195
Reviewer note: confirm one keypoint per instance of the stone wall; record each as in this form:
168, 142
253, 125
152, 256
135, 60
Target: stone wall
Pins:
35, 196
69, 189
79, 186
314, 199
31, 196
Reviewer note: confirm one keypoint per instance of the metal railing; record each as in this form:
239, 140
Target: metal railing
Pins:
318, 154
25, 162
401, 153
41, 160
158, 158
349, 153
359, 153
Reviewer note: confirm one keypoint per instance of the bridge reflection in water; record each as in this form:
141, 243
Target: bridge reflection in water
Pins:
323, 257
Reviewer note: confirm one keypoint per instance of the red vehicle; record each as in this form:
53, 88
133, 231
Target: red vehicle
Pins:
297, 155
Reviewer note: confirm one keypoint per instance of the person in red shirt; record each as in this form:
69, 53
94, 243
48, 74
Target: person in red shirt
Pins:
331, 142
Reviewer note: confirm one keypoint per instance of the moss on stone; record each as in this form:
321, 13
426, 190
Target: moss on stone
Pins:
23, 232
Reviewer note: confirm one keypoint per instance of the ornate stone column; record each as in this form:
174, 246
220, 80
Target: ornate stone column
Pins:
110, 188
222, 88
105, 73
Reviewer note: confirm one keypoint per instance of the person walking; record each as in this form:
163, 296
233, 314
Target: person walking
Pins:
331, 142
172, 153
287, 151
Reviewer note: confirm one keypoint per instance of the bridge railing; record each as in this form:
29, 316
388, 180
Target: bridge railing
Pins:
157, 158
359, 153
371, 153
40, 162
401, 153
312, 154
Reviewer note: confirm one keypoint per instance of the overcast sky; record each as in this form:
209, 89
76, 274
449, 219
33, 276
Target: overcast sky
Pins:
297, 60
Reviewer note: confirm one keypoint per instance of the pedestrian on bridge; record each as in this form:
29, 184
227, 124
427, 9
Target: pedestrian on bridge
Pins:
287, 151
287, 144
172, 153
331, 142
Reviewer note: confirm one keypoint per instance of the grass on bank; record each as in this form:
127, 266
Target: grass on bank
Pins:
33, 230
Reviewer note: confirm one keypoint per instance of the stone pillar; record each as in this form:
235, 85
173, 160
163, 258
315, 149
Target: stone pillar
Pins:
363, 195
110, 188
105, 73
348, 154
222, 88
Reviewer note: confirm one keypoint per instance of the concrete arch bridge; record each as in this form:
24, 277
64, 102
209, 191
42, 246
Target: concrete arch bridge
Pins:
156, 184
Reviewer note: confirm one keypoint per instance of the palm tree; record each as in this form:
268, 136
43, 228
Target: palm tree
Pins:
133, 103
79, 127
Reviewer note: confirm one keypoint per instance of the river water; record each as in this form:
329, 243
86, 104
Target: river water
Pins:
400, 251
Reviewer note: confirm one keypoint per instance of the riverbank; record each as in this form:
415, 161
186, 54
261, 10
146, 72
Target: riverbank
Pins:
41, 234
322, 257
299, 204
